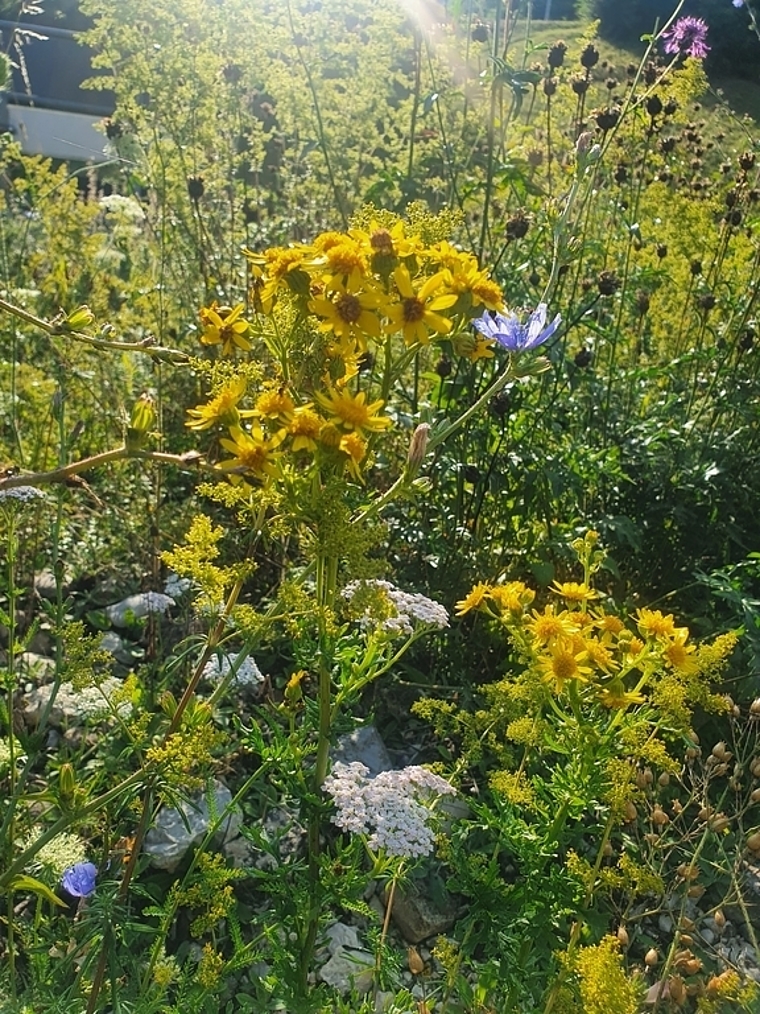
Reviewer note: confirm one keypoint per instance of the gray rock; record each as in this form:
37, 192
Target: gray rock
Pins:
46, 586
136, 607
349, 970
363, 744
418, 916
39, 667
110, 641
177, 830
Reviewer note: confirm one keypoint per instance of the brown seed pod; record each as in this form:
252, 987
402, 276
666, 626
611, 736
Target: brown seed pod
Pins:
651, 958
622, 935
414, 961
753, 842
676, 989
719, 822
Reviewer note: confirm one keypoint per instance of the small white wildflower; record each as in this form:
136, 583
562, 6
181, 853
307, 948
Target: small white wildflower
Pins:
247, 674
94, 702
125, 208
176, 586
57, 855
392, 808
385, 607
22, 494
135, 607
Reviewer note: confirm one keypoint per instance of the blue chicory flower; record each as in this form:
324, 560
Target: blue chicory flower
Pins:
79, 880
507, 331
738, 3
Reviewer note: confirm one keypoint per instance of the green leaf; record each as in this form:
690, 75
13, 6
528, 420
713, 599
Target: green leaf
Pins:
25, 883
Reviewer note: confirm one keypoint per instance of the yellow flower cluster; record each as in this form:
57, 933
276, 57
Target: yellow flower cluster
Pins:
347, 291
573, 645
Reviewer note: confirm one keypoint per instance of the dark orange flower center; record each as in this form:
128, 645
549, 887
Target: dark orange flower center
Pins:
349, 308
413, 309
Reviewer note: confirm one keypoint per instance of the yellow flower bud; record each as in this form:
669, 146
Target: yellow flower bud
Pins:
79, 318
66, 781
142, 422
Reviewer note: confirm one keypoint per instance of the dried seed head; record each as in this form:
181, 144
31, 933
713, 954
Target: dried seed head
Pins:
651, 958
589, 57
557, 54
659, 817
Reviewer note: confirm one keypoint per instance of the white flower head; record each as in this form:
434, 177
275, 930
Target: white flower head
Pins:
56, 855
176, 586
92, 703
392, 809
382, 606
16, 496
247, 673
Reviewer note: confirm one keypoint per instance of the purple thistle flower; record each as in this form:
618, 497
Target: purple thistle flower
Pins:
506, 329
687, 35
79, 880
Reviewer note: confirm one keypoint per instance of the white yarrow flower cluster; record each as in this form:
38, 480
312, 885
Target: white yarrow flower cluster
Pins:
176, 586
21, 494
390, 809
392, 610
94, 702
248, 673
56, 855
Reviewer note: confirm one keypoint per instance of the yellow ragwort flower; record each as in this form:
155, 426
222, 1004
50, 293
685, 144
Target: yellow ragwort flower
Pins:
548, 626
343, 263
351, 411
679, 654
278, 266
482, 348
597, 653
252, 452
474, 599
614, 695
221, 410
610, 626
464, 277
304, 428
355, 449
385, 245
416, 314
275, 403
349, 315
512, 597
572, 591
225, 326
564, 663
652, 623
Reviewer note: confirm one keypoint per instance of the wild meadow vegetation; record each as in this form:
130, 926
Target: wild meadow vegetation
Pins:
394, 383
